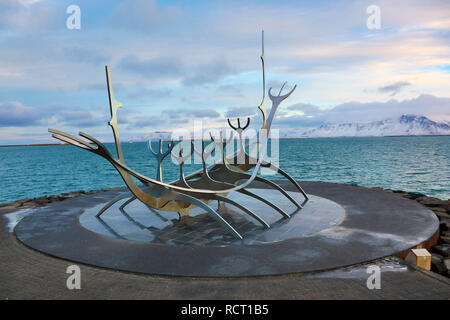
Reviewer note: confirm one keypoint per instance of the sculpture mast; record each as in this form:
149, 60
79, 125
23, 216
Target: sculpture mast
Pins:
262, 106
113, 106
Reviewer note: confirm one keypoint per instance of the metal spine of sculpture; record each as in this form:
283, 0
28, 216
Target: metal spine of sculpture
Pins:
211, 183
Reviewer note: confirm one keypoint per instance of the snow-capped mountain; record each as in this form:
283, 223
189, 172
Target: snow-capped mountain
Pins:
405, 125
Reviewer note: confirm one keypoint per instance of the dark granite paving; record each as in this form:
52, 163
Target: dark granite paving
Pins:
28, 274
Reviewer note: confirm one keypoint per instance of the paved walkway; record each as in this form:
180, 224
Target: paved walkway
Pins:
28, 274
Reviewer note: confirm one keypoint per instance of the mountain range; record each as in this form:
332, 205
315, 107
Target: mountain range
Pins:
405, 125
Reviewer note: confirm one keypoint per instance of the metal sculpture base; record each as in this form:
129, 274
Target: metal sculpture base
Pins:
376, 224
136, 222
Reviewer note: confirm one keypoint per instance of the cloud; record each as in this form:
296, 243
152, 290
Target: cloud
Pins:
394, 88
86, 55
15, 114
208, 73
172, 118
147, 121
27, 16
196, 113
83, 118
240, 111
74, 117
203, 113
230, 89
163, 67
142, 93
144, 15
152, 68
118, 87
305, 108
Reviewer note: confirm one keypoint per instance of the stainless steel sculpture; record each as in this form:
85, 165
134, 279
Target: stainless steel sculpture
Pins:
211, 183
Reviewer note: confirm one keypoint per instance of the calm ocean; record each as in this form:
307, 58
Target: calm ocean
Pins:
417, 164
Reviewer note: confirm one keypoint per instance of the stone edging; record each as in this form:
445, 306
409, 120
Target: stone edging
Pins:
440, 253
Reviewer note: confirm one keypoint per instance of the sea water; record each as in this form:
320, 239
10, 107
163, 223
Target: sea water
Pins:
414, 164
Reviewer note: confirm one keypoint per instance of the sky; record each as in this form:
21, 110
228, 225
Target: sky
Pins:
176, 62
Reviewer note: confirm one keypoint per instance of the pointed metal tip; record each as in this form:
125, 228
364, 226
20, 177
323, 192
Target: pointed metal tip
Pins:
262, 43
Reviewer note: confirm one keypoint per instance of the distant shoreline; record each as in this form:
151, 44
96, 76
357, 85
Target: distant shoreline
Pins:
33, 145
399, 136
286, 138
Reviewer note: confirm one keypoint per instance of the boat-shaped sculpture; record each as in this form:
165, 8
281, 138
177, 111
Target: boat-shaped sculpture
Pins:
211, 183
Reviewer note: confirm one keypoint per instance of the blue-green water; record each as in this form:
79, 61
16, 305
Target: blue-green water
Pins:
417, 164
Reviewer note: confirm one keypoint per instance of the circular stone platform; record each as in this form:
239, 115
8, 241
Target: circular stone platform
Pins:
341, 225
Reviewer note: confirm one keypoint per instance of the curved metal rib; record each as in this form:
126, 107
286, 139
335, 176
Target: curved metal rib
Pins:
205, 178
251, 194
214, 214
226, 173
287, 176
246, 210
229, 177
159, 156
280, 189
